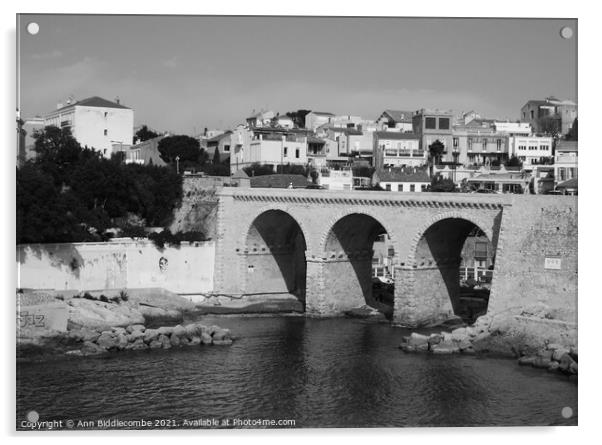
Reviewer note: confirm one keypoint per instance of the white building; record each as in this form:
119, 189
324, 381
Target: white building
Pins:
395, 120
565, 162
530, 149
513, 128
96, 123
314, 119
402, 179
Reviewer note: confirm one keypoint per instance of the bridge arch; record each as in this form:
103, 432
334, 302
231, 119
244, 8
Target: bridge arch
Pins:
272, 255
432, 269
347, 249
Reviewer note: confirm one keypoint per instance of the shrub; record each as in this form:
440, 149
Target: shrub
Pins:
123, 295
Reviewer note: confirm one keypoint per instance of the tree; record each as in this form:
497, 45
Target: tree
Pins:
216, 157
298, 117
513, 162
572, 134
436, 149
185, 147
257, 169
441, 184
144, 134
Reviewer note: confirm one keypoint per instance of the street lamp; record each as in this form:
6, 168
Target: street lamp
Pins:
178, 165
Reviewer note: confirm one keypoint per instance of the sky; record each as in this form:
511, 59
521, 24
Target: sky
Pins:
184, 73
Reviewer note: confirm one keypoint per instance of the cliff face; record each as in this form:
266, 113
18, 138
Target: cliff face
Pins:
198, 211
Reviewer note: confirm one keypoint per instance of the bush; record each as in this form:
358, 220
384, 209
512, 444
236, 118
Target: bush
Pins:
124, 295
165, 237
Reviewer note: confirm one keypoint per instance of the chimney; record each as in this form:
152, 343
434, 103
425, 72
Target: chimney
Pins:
117, 100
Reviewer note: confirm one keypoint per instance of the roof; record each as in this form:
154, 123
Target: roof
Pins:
570, 184
278, 181
219, 136
399, 116
395, 135
315, 140
96, 101
563, 145
347, 131
402, 175
323, 113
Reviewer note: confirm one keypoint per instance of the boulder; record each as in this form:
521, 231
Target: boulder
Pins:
554, 346
565, 363
464, 345
553, 366
195, 340
165, 330
541, 362
150, 335
206, 338
155, 344
459, 334
135, 327
546, 354
135, 335
164, 339
435, 339
90, 348
526, 360
175, 340
184, 341
99, 315
193, 329
84, 335
137, 344
224, 334
179, 331
445, 347
573, 368
119, 330
558, 353
573, 353
107, 340
414, 340
407, 348
122, 341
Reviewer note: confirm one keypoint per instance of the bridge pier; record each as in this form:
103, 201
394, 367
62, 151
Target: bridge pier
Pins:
333, 285
423, 294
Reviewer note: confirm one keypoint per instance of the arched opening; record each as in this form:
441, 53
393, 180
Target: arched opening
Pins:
359, 264
455, 259
275, 256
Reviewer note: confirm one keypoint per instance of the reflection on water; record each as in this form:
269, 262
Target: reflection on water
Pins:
336, 372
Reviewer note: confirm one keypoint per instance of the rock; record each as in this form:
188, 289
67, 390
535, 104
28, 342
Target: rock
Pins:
164, 339
407, 348
445, 347
107, 340
558, 353
175, 340
119, 330
554, 346
573, 353
137, 344
224, 334
135, 327
195, 340
565, 363
165, 330
160, 314
573, 368
471, 331
179, 331
122, 341
90, 348
100, 315
206, 338
75, 352
414, 340
541, 362
150, 335
193, 329
464, 345
553, 366
459, 334
155, 344
185, 342
224, 342
84, 335
435, 339
438, 350
546, 355
468, 351
135, 336
526, 360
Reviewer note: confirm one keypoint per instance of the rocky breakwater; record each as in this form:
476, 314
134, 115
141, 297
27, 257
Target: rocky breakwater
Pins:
533, 335
85, 342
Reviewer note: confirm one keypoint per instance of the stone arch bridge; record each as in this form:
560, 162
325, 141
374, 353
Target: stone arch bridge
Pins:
318, 245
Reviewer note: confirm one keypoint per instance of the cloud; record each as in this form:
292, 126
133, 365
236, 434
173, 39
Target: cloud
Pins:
54, 54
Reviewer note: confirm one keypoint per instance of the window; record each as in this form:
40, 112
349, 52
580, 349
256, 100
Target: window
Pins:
532, 147
470, 143
106, 132
522, 147
444, 123
226, 148
455, 142
423, 188
544, 147
532, 114
400, 187
106, 114
499, 144
285, 152
561, 174
430, 123
388, 187
412, 187
390, 252
297, 153
484, 144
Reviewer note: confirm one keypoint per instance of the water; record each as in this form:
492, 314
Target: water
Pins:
320, 373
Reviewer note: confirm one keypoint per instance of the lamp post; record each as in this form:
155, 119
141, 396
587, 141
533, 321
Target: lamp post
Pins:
178, 165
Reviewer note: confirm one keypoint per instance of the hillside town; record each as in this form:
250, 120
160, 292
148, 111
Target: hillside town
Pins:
399, 150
